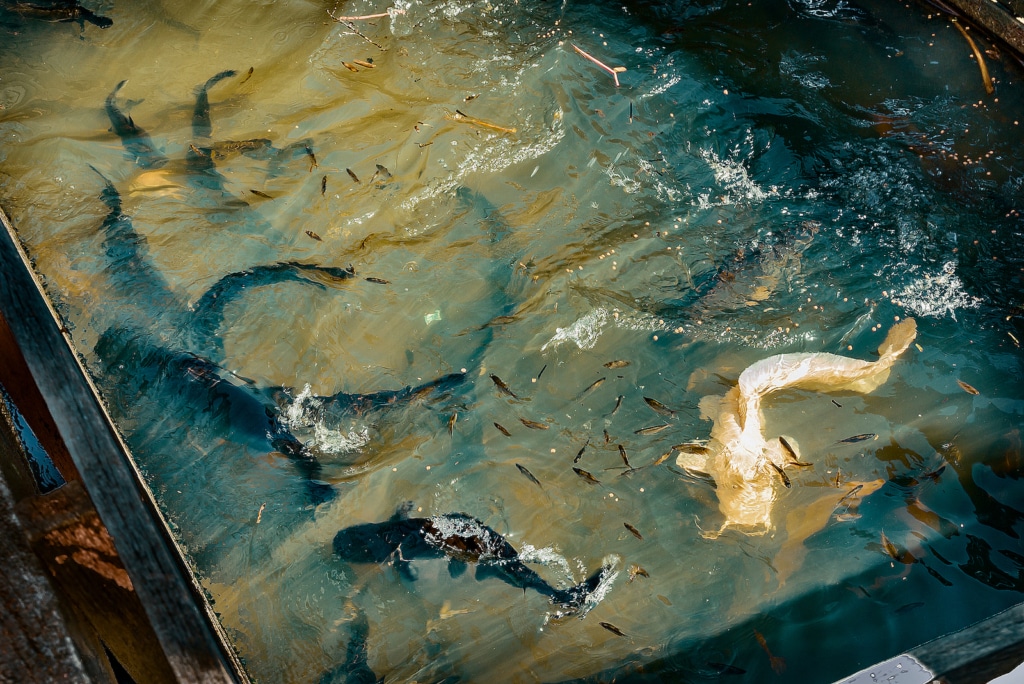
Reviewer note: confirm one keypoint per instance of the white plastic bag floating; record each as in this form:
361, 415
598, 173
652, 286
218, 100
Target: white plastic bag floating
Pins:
742, 461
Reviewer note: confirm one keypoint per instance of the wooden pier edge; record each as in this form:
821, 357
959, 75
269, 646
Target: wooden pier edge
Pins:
185, 626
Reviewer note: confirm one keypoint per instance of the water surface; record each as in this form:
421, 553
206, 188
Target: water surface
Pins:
765, 179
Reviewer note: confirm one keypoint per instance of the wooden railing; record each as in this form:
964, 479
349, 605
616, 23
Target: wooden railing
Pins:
122, 585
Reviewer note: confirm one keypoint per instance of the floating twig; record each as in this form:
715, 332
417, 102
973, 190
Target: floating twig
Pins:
459, 116
985, 78
614, 71
390, 13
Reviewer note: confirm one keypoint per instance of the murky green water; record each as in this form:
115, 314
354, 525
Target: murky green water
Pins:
773, 178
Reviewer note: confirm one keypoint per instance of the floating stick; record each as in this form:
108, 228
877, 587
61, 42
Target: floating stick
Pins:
614, 71
459, 116
985, 78
390, 13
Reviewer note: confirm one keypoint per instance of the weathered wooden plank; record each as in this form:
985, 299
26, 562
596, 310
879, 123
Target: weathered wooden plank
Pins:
35, 645
177, 611
979, 653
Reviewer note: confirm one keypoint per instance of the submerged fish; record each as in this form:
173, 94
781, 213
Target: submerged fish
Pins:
530, 476
500, 384
586, 476
858, 438
579, 454
618, 363
136, 141
738, 451
462, 539
635, 532
501, 428
533, 425
613, 629
660, 408
59, 12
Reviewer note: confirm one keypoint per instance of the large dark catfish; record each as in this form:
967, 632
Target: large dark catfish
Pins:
462, 539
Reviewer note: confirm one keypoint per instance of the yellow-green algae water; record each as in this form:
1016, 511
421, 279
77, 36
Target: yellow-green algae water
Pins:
764, 179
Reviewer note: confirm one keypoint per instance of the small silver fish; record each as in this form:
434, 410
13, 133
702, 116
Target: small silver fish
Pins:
651, 430
529, 475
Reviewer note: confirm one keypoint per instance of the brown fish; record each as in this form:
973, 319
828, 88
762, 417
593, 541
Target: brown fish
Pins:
534, 425
617, 363
352, 175
502, 386
364, 63
502, 430
782, 473
591, 387
967, 388
903, 556
778, 664
579, 454
529, 475
379, 281
451, 423
618, 403
613, 629
651, 430
634, 531
349, 67
622, 454
858, 438
586, 476
661, 459
636, 571
793, 460
314, 236
248, 75
691, 448
659, 407
260, 194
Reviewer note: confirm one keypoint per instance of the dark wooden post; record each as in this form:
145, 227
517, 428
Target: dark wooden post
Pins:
177, 612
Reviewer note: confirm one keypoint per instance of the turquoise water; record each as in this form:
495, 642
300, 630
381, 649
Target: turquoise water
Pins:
765, 179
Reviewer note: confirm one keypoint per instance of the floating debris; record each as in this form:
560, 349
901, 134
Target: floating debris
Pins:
837, 403
363, 17
459, 116
635, 532
614, 71
529, 475
542, 371
986, 80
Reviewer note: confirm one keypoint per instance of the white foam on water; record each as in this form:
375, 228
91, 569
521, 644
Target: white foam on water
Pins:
547, 556
937, 295
584, 332
338, 442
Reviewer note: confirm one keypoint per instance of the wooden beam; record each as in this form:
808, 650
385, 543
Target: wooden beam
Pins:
979, 653
181, 619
